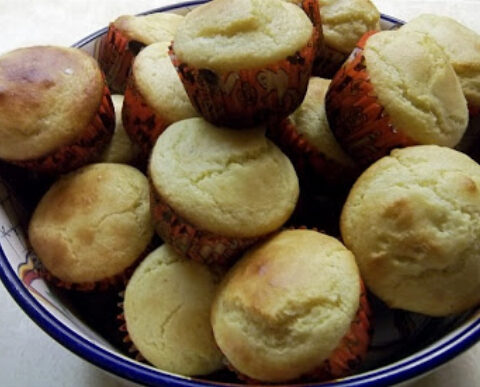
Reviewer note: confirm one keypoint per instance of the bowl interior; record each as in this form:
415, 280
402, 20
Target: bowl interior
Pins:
404, 344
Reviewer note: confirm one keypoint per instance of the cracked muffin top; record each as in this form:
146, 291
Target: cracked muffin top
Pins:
167, 312
229, 182
228, 35
412, 221
93, 223
285, 306
417, 86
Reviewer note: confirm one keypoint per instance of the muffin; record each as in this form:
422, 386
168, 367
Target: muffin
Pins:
245, 62
344, 22
462, 46
306, 138
292, 309
56, 113
121, 149
167, 312
215, 191
397, 89
126, 36
154, 98
92, 225
412, 221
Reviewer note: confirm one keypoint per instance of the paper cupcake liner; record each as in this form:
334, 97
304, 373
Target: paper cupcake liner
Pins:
142, 124
327, 62
131, 349
191, 242
473, 110
356, 117
85, 149
115, 55
312, 165
345, 358
246, 98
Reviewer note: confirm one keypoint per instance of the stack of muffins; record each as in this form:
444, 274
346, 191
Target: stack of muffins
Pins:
231, 133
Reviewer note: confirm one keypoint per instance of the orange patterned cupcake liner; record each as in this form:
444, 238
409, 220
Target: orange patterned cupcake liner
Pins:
85, 149
346, 357
191, 242
309, 162
127, 341
356, 117
115, 55
246, 98
142, 124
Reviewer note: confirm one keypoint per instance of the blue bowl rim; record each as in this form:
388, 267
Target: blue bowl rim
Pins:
401, 371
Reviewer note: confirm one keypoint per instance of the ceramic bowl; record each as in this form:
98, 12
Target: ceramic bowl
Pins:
404, 346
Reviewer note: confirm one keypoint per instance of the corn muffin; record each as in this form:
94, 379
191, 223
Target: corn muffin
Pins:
121, 149
56, 113
306, 138
462, 46
92, 225
244, 62
413, 222
215, 191
292, 309
398, 89
154, 98
126, 36
167, 312
344, 22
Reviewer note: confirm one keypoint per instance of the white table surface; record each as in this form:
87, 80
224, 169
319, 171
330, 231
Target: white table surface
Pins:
28, 356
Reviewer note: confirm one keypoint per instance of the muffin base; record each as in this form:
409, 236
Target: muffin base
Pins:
246, 98
191, 242
115, 56
85, 149
142, 124
312, 166
356, 118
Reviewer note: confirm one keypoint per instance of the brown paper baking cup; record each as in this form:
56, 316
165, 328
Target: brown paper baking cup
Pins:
142, 124
191, 242
245, 98
85, 149
345, 358
132, 350
312, 165
115, 55
356, 117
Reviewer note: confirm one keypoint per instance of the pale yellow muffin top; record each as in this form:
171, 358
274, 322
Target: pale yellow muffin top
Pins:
462, 46
345, 21
284, 307
120, 149
48, 96
157, 81
234, 183
310, 121
418, 87
225, 35
413, 222
148, 29
93, 223
167, 312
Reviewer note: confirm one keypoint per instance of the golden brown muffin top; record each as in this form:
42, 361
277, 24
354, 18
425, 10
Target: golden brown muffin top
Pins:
225, 35
148, 29
48, 96
345, 21
310, 121
418, 87
167, 311
462, 46
235, 183
413, 222
157, 81
285, 306
92, 223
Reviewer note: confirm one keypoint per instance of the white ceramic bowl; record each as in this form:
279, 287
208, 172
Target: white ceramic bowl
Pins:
404, 345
